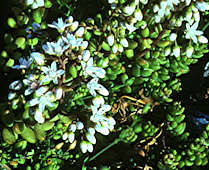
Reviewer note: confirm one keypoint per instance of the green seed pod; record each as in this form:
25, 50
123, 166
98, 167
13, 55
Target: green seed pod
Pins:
20, 42
133, 139
129, 53
37, 166
163, 44
180, 128
8, 136
29, 135
12, 23
145, 32
105, 46
127, 89
146, 72
73, 71
207, 127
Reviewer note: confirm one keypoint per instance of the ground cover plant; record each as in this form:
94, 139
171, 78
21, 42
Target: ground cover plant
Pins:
101, 85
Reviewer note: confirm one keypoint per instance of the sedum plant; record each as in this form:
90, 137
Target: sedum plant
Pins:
81, 79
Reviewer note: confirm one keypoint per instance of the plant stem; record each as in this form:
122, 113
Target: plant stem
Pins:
116, 141
205, 27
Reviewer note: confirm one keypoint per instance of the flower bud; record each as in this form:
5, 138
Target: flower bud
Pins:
98, 101
89, 147
110, 39
72, 127
189, 51
202, 39
173, 36
86, 55
58, 93
83, 146
115, 48
16, 85
129, 10
84, 45
176, 51
79, 32
91, 130
71, 137
11, 95
124, 42
91, 138
65, 136
138, 15
74, 26
79, 125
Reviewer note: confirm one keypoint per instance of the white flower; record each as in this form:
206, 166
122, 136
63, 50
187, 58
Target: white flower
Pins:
32, 84
74, 26
129, 10
170, 3
93, 86
51, 73
58, 93
60, 25
102, 129
55, 48
38, 57
83, 146
71, 137
72, 127
202, 39
24, 63
173, 36
98, 101
202, 6
91, 130
11, 95
110, 39
124, 42
39, 116
79, 32
89, 147
138, 15
176, 51
189, 51
72, 41
16, 85
46, 99
86, 55
35, 3
41, 90
192, 32
65, 136
91, 138
79, 125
